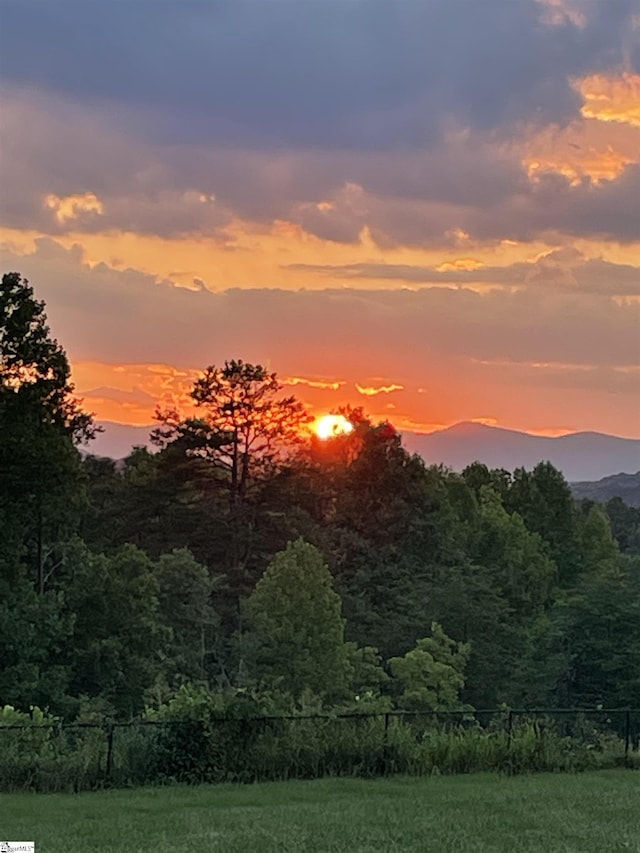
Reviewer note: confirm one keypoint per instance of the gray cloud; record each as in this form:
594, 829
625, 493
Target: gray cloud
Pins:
609, 210
367, 74
404, 199
564, 269
274, 107
53, 147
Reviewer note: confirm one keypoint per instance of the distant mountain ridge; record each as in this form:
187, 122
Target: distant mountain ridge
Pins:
625, 486
581, 456
117, 440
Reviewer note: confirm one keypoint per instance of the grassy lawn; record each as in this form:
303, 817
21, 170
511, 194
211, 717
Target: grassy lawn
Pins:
463, 814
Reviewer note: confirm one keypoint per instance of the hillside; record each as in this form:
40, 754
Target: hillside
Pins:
117, 440
580, 456
625, 486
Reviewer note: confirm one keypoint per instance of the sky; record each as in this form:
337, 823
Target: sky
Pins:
430, 208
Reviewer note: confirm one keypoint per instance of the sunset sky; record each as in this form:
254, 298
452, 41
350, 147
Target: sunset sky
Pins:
430, 208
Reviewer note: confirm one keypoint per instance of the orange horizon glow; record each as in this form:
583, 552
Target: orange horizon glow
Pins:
128, 394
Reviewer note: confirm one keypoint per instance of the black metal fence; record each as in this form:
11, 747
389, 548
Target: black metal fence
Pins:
82, 756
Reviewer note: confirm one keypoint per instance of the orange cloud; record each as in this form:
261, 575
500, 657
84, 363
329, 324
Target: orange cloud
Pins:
473, 353
460, 264
536, 365
257, 258
584, 149
129, 393
485, 421
372, 391
598, 147
551, 432
611, 99
314, 383
69, 207
597, 165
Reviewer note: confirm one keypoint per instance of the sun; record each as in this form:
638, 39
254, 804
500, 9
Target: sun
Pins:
331, 425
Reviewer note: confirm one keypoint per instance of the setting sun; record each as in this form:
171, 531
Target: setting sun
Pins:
330, 425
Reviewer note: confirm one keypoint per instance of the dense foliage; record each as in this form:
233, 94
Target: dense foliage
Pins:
123, 584
191, 741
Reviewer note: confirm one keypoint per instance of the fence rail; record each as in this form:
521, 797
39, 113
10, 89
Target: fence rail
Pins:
62, 756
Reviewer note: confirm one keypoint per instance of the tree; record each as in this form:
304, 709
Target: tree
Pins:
375, 508
500, 605
33, 366
625, 525
296, 630
120, 645
596, 623
157, 501
34, 634
40, 422
543, 499
596, 629
369, 679
478, 474
514, 557
431, 676
243, 427
244, 430
184, 595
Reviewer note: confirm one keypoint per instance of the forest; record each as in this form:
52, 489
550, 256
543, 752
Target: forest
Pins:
248, 561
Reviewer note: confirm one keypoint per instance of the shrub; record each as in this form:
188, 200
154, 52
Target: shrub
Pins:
203, 737
36, 753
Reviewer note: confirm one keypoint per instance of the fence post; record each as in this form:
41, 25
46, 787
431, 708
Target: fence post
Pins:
627, 731
110, 737
385, 749
509, 738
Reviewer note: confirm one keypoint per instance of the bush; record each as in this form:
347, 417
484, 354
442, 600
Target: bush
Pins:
36, 753
203, 737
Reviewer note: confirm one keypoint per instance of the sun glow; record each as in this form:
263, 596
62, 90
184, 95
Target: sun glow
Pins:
331, 425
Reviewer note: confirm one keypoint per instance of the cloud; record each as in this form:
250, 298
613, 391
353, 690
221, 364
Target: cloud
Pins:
55, 149
609, 98
67, 167
59, 154
373, 391
131, 406
325, 385
591, 378
531, 359
557, 13
71, 207
561, 269
336, 117
364, 74
129, 392
130, 317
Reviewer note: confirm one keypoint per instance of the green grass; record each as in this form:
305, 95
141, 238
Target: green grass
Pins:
480, 813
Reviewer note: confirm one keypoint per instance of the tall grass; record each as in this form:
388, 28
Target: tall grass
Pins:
49, 758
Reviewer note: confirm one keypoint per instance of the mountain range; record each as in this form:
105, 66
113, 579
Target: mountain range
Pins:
625, 486
580, 455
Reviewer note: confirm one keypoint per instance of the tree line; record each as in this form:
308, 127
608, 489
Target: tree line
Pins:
251, 563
